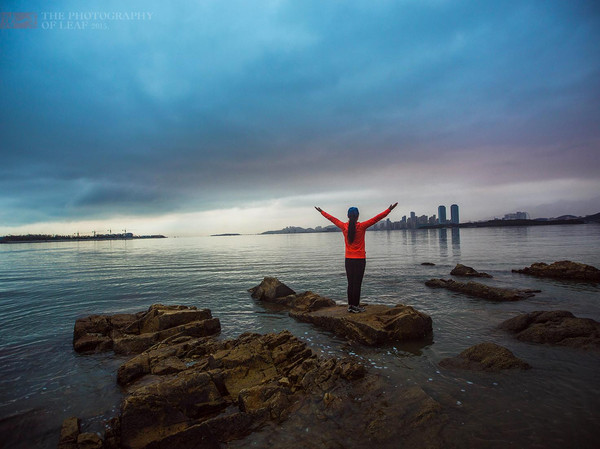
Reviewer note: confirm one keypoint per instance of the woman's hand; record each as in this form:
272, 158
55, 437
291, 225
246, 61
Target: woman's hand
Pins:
320, 210
392, 206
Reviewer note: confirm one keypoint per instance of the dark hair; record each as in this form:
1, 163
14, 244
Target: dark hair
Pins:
352, 229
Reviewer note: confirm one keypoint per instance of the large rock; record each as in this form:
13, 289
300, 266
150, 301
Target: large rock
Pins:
136, 332
485, 357
482, 291
379, 324
563, 270
200, 392
270, 288
557, 327
273, 291
69, 431
463, 270
227, 389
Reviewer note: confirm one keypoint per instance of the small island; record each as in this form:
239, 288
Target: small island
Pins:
224, 235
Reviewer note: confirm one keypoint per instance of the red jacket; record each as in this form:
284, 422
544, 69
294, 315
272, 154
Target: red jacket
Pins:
356, 249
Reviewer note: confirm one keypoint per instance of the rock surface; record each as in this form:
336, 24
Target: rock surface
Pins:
273, 291
485, 357
225, 390
557, 327
565, 269
463, 270
136, 332
70, 430
270, 288
482, 291
199, 392
379, 324
231, 388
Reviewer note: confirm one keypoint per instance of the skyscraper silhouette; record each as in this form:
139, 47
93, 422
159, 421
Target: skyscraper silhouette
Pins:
442, 215
454, 214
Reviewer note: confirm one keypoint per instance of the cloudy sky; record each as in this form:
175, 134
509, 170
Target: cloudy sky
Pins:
240, 116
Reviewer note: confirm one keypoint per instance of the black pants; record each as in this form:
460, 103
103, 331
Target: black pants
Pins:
355, 270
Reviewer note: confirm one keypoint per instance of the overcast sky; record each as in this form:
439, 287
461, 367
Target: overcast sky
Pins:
240, 116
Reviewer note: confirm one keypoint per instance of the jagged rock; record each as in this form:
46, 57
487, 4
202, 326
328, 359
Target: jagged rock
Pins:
409, 415
273, 291
112, 434
201, 392
379, 324
557, 327
260, 376
136, 332
563, 270
69, 431
270, 288
463, 270
89, 441
482, 291
485, 357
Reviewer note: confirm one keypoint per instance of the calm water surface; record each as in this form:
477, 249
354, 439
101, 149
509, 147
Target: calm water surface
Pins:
45, 287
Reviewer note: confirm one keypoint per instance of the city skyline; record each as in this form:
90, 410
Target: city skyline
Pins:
246, 115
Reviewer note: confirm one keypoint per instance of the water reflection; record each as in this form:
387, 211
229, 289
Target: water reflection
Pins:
456, 241
443, 238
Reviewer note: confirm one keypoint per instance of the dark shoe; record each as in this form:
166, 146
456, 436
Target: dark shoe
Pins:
355, 309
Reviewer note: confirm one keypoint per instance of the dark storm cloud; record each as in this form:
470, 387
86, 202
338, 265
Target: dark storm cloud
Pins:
221, 102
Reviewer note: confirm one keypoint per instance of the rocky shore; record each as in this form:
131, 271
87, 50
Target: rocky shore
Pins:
201, 392
187, 388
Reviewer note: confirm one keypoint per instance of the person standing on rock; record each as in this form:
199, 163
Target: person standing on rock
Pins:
354, 238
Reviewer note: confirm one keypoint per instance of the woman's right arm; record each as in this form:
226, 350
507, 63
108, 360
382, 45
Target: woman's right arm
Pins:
331, 218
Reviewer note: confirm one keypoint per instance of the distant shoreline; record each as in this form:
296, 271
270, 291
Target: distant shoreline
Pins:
505, 223
49, 239
478, 224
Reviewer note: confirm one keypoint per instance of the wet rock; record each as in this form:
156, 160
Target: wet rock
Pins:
379, 324
558, 327
482, 291
463, 270
408, 415
136, 332
270, 288
485, 357
428, 264
69, 431
304, 302
89, 441
112, 434
227, 389
168, 406
273, 291
563, 270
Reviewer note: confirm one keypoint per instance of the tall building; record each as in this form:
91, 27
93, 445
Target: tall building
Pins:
442, 214
454, 214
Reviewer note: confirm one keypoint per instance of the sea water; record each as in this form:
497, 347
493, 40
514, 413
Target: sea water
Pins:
45, 287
